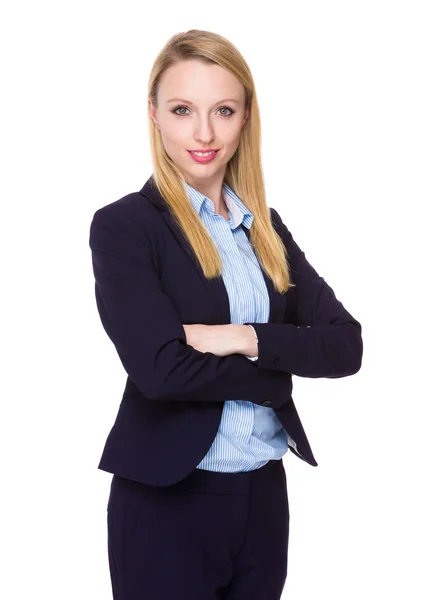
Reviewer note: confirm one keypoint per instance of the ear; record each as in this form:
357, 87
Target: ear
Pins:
152, 112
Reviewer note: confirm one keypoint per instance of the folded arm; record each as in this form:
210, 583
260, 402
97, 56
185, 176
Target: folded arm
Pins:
141, 321
325, 339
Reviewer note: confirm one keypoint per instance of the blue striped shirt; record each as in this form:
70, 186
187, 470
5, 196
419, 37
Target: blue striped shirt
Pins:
249, 435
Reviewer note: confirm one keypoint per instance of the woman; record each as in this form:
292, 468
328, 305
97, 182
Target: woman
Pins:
212, 307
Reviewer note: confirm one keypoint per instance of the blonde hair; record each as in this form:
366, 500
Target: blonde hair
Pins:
243, 173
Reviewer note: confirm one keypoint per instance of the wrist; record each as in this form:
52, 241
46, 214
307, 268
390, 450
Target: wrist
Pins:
249, 341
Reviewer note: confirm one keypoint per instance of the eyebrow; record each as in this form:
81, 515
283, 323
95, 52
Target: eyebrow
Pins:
189, 102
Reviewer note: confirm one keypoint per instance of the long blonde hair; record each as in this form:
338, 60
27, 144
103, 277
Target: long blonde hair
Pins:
243, 173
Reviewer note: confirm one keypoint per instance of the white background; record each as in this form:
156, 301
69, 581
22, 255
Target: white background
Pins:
339, 90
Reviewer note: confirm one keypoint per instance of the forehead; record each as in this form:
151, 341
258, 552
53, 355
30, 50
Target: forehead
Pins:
199, 83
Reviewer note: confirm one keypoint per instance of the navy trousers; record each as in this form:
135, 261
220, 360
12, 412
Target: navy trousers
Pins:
211, 536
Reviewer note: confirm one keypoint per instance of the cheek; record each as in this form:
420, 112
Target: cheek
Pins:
231, 142
174, 136
231, 136
172, 146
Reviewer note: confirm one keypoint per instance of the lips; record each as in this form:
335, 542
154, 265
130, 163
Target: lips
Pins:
202, 159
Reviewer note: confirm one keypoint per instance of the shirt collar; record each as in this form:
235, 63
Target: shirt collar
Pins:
239, 214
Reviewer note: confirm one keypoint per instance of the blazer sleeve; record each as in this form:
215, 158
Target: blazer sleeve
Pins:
143, 324
325, 340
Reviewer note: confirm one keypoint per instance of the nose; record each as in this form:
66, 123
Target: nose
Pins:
204, 131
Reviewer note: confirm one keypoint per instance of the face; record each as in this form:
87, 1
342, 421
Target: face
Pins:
200, 106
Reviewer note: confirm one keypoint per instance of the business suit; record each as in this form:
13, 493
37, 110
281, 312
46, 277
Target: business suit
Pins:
174, 395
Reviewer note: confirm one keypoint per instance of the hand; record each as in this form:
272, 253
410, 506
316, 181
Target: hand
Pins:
221, 340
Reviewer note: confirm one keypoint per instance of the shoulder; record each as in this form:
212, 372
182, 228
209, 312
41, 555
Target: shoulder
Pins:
274, 215
127, 225
133, 209
291, 246
277, 222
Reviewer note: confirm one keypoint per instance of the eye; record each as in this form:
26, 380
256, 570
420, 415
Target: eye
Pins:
185, 108
178, 108
226, 108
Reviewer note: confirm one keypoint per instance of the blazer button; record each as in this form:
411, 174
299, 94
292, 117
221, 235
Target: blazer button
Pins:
275, 360
267, 403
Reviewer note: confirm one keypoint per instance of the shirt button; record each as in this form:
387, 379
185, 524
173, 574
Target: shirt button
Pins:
266, 402
275, 360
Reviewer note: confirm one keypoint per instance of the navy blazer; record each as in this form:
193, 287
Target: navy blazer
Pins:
148, 283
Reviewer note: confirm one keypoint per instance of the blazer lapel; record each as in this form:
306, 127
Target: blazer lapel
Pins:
215, 287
